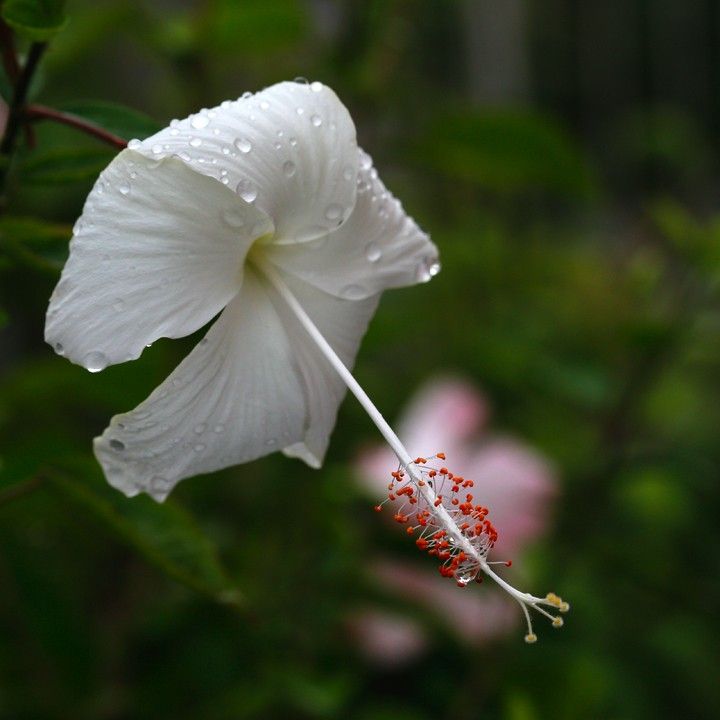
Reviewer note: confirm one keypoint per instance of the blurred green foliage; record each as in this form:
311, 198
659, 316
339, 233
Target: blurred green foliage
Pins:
580, 288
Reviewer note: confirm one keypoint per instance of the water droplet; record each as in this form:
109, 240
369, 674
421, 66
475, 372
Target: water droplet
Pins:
464, 580
119, 305
200, 429
219, 428
184, 156
353, 292
195, 142
365, 161
316, 86
278, 146
243, 145
157, 149
95, 361
134, 144
373, 252
316, 120
289, 168
124, 189
348, 172
300, 111
199, 447
59, 349
246, 95
133, 175
302, 80
117, 445
246, 190
226, 151
200, 121
280, 133
77, 227
233, 218
293, 141
264, 105
434, 268
334, 212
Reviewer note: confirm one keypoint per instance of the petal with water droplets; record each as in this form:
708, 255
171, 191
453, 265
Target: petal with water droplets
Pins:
236, 397
158, 261
379, 247
270, 148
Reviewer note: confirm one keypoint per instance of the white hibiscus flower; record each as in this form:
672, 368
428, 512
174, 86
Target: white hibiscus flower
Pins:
266, 211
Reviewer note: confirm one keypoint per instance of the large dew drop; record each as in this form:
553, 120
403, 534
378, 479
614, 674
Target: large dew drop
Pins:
246, 190
95, 361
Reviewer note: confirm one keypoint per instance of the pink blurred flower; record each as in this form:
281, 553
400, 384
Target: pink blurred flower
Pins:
514, 481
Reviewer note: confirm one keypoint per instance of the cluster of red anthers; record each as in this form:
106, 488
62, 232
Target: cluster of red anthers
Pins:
421, 493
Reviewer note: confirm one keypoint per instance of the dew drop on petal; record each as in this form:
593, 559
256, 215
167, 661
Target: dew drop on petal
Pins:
232, 218
199, 447
316, 86
134, 144
246, 95
157, 149
246, 190
95, 361
316, 120
348, 172
264, 105
124, 189
289, 168
200, 121
302, 80
59, 349
373, 252
334, 212
293, 141
117, 445
300, 111
195, 142
243, 145
353, 292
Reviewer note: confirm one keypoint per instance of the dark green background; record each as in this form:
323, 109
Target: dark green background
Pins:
564, 158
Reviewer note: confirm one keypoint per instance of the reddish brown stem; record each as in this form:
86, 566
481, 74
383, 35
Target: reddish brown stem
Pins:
41, 112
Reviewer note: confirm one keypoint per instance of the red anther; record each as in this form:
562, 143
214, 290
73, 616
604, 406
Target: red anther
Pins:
396, 474
465, 526
413, 501
421, 521
479, 579
439, 534
443, 471
450, 476
377, 508
461, 557
432, 552
459, 478
399, 517
420, 460
455, 501
455, 488
444, 544
421, 483
422, 543
468, 483
432, 473
508, 563
444, 555
438, 501
391, 496
440, 455
469, 497
410, 530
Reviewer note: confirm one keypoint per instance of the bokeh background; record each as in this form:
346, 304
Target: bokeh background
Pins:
564, 158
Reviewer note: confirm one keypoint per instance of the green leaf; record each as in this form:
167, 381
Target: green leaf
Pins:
165, 535
37, 20
34, 232
65, 165
506, 151
117, 119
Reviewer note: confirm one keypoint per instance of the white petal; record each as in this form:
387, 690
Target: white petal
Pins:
290, 149
236, 397
157, 252
343, 324
379, 247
